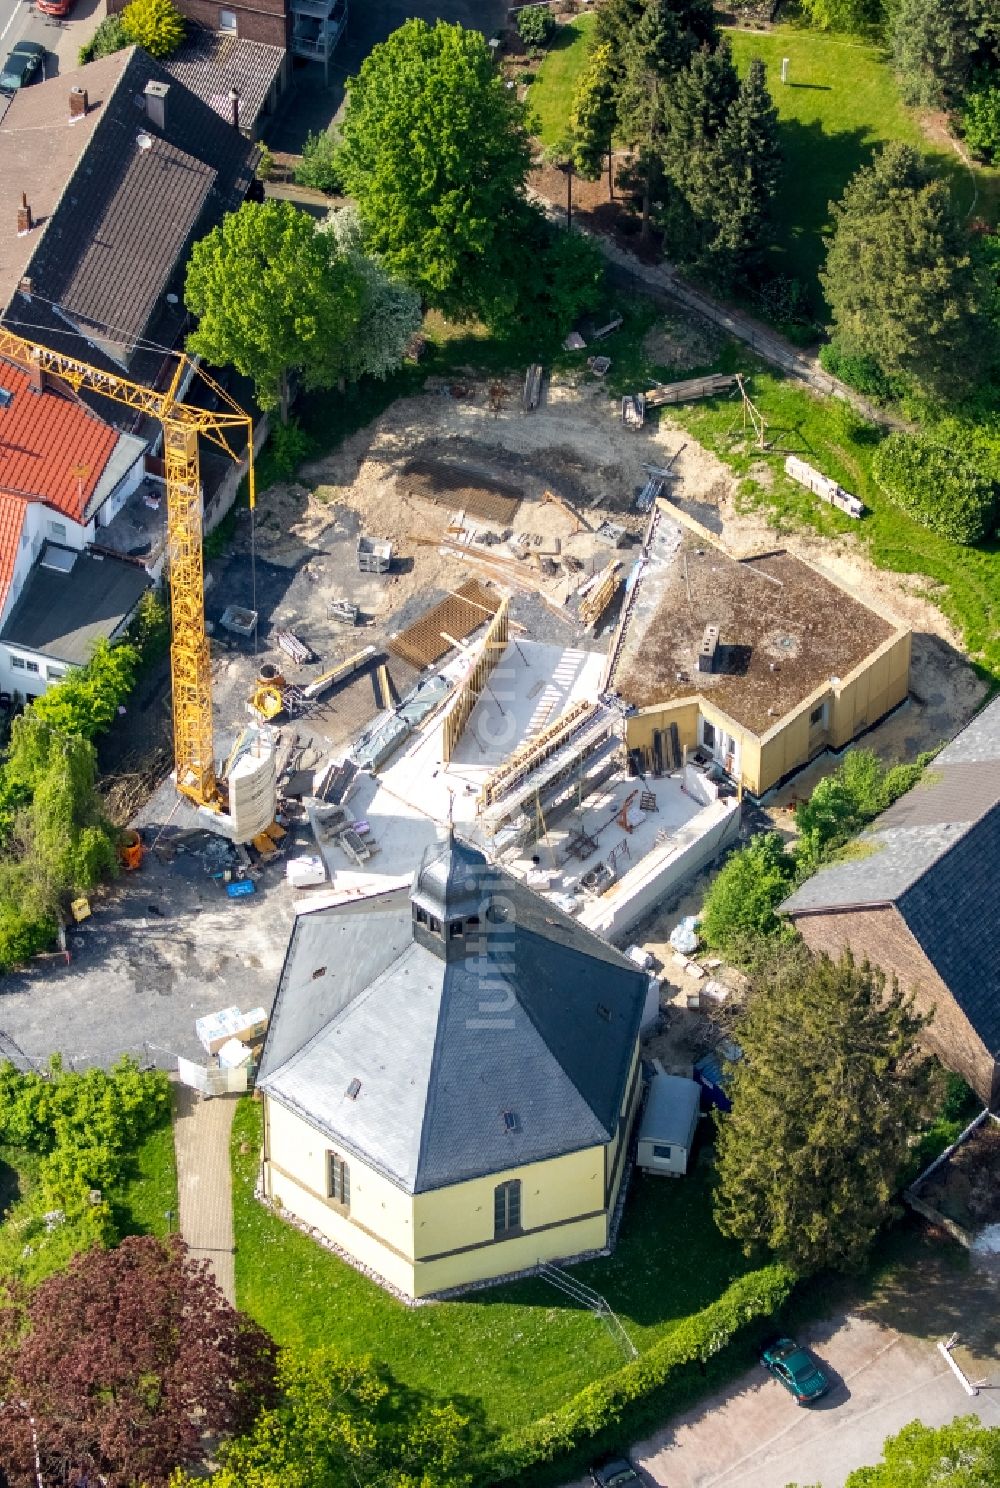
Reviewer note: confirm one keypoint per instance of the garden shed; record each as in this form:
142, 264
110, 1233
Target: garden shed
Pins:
666, 1132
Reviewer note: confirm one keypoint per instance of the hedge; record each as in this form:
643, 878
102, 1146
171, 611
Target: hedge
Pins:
758, 1294
940, 487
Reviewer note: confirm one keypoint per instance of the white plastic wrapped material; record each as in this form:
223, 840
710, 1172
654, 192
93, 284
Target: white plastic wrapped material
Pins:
641, 958
233, 1054
684, 937
305, 872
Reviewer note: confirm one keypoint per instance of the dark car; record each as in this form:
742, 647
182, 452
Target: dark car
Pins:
796, 1369
615, 1472
22, 65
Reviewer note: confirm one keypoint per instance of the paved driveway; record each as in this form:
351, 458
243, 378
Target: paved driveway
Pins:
887, 1369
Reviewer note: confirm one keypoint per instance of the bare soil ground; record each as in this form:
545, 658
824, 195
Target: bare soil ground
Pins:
967, 1187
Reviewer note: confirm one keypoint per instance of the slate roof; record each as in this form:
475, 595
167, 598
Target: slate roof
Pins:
935, 855
210, 63
541, 1023
63, 615
113, 220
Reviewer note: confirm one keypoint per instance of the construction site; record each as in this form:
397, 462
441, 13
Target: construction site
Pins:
443, 625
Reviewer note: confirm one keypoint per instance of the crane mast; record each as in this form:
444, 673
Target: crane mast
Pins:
190, 664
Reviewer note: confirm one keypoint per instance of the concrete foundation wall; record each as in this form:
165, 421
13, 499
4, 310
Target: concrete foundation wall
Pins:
664, 871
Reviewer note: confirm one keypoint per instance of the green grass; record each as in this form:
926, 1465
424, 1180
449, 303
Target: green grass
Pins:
841, 102
512, 1352
550, 96
149, 1194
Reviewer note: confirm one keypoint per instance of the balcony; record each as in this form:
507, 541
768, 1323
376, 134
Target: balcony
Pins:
317, 26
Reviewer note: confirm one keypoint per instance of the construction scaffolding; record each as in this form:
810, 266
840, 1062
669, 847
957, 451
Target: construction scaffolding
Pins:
530, 755
469, 691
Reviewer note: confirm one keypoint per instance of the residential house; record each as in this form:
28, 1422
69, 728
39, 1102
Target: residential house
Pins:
920, 897
309, 29
240, 79
67, 483
450, 1078
119, 168
757, 663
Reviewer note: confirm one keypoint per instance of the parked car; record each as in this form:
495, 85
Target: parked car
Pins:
615, 1472
796, 1369
23, 63
54, 7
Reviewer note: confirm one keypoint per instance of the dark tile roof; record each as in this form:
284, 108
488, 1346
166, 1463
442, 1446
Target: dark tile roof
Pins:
540, 1024
94, 180
935, 855
62, 615
211, 63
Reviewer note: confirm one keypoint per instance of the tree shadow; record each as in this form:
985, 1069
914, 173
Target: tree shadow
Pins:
10, 1188
810, 87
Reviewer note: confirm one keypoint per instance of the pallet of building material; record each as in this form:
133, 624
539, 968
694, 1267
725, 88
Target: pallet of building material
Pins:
532, 387
319, 685
355, 846
295, 649
634, 410
239, 621
823, 487
689, 389
601, 595
374, 555
343, 611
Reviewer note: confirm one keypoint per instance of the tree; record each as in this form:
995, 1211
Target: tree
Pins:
746, 177
825, 1096
900, 281
844, 15
592, 120
155, 25
963, 1454
318, 166
436, 154
390, 310
938, 44
118, 1369
950, 491
692, 22
87, 699
272, 297
339, 1422
842, 803
981, 116
535, 25
741, 903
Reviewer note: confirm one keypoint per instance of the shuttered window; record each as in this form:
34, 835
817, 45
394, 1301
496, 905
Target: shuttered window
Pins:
338, 1179
507, 1208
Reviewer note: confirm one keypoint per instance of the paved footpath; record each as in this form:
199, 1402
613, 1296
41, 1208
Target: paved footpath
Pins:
204, 1183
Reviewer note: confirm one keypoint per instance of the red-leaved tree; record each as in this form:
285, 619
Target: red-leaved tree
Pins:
123, 1367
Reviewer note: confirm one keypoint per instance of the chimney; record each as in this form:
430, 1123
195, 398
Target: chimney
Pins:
234, 104
37, 376
25, 287
155, 98
24, 222
78, 104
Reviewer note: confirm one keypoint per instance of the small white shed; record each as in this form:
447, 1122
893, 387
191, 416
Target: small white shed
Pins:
666, 1132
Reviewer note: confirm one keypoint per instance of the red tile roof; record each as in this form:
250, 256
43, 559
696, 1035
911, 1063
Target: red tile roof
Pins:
52, 448
12, 512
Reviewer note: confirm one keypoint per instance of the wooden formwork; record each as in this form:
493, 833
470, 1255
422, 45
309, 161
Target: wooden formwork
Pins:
468, 693
424, 642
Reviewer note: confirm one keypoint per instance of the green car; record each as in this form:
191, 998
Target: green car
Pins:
22, 63
796, 1369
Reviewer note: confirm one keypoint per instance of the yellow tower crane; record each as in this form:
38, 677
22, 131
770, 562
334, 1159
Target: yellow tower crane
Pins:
190, 668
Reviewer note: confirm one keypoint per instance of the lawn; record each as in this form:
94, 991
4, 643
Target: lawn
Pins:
512, 1352
840, 102
550, 96
148, 1200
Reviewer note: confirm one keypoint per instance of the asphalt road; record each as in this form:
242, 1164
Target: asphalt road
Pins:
62, 40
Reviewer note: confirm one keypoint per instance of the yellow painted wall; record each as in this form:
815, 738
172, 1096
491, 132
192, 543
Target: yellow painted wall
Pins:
859, 700
412, 1240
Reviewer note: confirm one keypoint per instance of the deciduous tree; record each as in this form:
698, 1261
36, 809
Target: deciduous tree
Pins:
155, 25
899, 279
825, 1097
273, 297
390, 310
117, 1370
963, 1454
436, 154
339, 1422
740, 905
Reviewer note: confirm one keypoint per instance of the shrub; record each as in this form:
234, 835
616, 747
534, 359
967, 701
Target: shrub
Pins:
862, 373
740, 905
784, 300
694, 1341
155, 25
981, 117
109, 37
940, 487
287, 447
858, 790
536, 25
318, 166
87, 699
